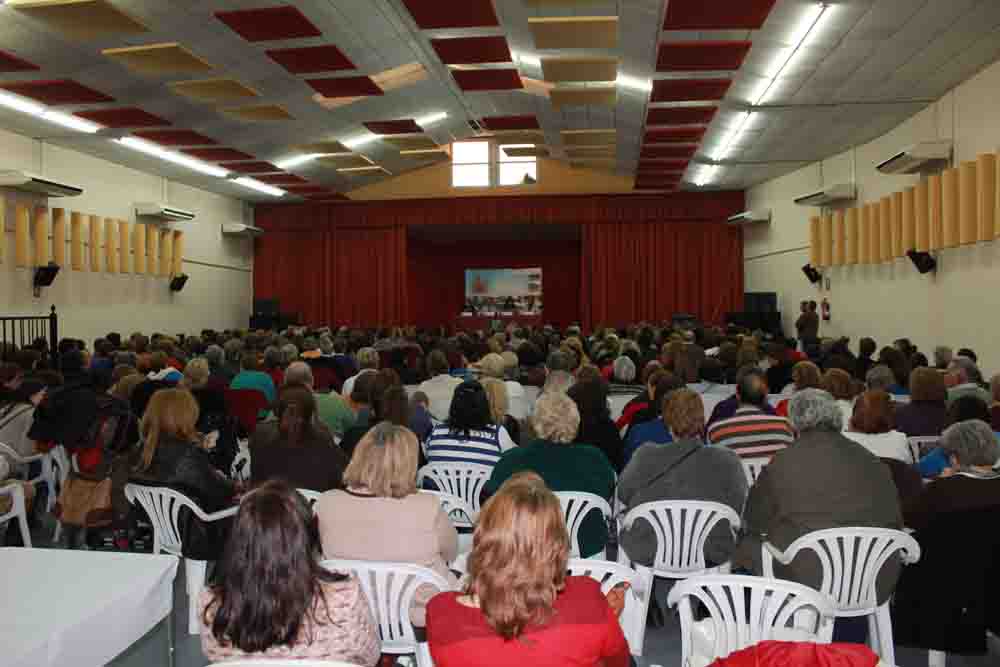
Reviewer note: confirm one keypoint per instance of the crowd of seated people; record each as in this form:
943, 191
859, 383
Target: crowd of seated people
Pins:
353, 414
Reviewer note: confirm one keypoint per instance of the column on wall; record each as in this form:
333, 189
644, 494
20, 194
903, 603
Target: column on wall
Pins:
826, 240
896, 211
839, 239
968, 204
123, 246
815, 254
22, 241
921, 212
885, 229
41, 232
76, 240
864, 234
909, 221
949, 208
178, 267
986, 192
853, 239
152, 249
139, 248
935, 211
59, 236
110, 246
166, 252
95, 243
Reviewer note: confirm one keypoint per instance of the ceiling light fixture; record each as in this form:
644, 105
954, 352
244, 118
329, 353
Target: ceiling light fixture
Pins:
18, 103
254, 184
526, 59
706, 175
431, 118
358, 142
634, 83
169, 156
299, 160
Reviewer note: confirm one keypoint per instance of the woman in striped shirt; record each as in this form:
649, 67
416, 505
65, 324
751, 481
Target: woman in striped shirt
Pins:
469, 435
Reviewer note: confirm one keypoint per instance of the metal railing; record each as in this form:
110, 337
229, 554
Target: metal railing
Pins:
17, 333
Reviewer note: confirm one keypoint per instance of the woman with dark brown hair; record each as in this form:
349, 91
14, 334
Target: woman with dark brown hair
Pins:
273, 599
927, 412
805, 375
873, 427
838, 383
519, 607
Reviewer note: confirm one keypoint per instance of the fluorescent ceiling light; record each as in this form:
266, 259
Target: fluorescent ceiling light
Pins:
352, 170
706, 175
298, 160
358, 142
735, 130
176, 158
18, 103
526, 59
431, 118
635, 83
254, 184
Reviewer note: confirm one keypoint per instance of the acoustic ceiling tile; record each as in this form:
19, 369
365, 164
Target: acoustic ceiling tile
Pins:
499, 123
280, 179
671, 152
593, 137
689, 90
593, 163
575, 32
326, 147
701, 15
348, 161
681, 115
11, 63
217, 154
417, 142
570, 70
435, 14
674, 135
350, 86
80, 20
701, 56
213, 90
56, 92
159, 59
520, 137
269, 23
647, 163
176, 138
487, 79
582, 152
250, 167
596, 96
401, 126
472, 50
311, 59
306, 188
118, 118
526, 151
259, 113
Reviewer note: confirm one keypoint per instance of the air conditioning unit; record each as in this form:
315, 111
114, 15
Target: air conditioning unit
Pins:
163, 211
22, 180
925, 156
241, 229
748, 217
827, 196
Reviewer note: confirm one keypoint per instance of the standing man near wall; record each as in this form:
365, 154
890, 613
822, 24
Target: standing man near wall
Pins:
807, 326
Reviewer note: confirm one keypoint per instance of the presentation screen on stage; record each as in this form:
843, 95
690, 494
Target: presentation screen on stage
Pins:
503, 291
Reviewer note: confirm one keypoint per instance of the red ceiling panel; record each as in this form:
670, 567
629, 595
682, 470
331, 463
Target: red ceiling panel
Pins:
311, 59
328, 197
269, 23
487, 79
306, 188
217, 154
662, 164
472, 50
689, 90
128, 117
176, 138
666, 187
681, 116
667, 152
60, 91
432, 14
701, 56
674, 135
500, 123
281, 179
402, 126
250, 167
701, 15
350, 86
11, 63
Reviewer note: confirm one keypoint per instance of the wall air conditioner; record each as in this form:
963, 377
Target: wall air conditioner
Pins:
163, 211
22, 180
827, 196
241, 229
748, 217
925, 156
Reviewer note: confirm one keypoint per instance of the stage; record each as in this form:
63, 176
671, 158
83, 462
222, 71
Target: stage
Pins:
477, 322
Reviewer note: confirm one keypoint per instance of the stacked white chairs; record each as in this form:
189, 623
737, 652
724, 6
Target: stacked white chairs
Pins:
609, 575
753, 466
18, 510
240, 469
921, 445
389, 589
460, 512
463, 480
577, 505
163, 506
743, 611
851, 560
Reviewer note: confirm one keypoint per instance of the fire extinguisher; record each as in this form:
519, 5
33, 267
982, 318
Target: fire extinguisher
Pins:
825, 307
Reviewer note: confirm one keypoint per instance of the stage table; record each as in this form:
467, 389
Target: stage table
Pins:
476, 322
80, 608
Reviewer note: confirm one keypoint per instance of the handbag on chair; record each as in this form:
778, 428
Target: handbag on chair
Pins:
85, 502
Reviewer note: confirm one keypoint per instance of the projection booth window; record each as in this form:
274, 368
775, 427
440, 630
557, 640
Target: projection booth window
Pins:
470, 164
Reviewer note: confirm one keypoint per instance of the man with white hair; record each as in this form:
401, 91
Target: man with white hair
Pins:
963, 379
331, 409
823, 480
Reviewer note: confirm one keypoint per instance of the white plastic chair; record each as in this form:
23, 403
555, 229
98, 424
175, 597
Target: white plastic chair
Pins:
576, 506
389, 589
163, 506
240, 469
282, 662
753, 466
851, 559
310, 496
921, 444
610, 574
465, 480
744, 610
18, 510
459, 511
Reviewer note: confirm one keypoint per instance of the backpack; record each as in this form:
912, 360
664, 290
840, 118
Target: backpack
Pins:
108, 435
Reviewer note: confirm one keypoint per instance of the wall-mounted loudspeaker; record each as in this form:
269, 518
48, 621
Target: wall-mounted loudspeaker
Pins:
812, 274
924, 261
44, 275
177, 282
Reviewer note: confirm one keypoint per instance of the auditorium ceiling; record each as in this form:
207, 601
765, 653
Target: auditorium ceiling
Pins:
319, 97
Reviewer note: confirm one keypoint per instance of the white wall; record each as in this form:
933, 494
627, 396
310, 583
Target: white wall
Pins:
218, 293
959, 306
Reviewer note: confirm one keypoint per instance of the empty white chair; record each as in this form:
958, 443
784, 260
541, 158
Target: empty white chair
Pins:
282, 662
240, 469
18, 510
576, 506
609, 574
464, 480
389, 589
743, 611
459, 511
753, 466
922, 444
310, 496
851, 559
163, 506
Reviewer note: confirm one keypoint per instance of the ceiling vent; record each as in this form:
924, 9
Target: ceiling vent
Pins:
241, 229
164, 212
923, 157
21, 180
750, 217
827, 196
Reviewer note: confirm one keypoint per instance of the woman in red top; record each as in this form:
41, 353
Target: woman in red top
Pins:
519, 607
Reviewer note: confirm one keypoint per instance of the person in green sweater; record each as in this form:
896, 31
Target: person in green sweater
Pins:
563, 465
331, 408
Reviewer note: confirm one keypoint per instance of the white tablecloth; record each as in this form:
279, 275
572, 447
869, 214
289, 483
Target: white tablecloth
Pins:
79, 608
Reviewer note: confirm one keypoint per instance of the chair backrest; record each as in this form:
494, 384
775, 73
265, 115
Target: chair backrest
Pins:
609, 574
753, 466
460, 512
576, 506
310, 496
465, 480
17, 505
282, 662
240, 469
163, 506
851, 559
245, 405
681, 528
389, 589
922, 444
744, 610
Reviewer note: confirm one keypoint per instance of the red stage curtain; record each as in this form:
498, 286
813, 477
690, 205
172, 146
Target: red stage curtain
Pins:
647, 271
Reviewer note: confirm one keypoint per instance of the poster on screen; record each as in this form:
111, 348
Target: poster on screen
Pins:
503, 291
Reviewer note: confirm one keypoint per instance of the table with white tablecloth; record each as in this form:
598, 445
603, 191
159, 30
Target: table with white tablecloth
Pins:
79, 608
